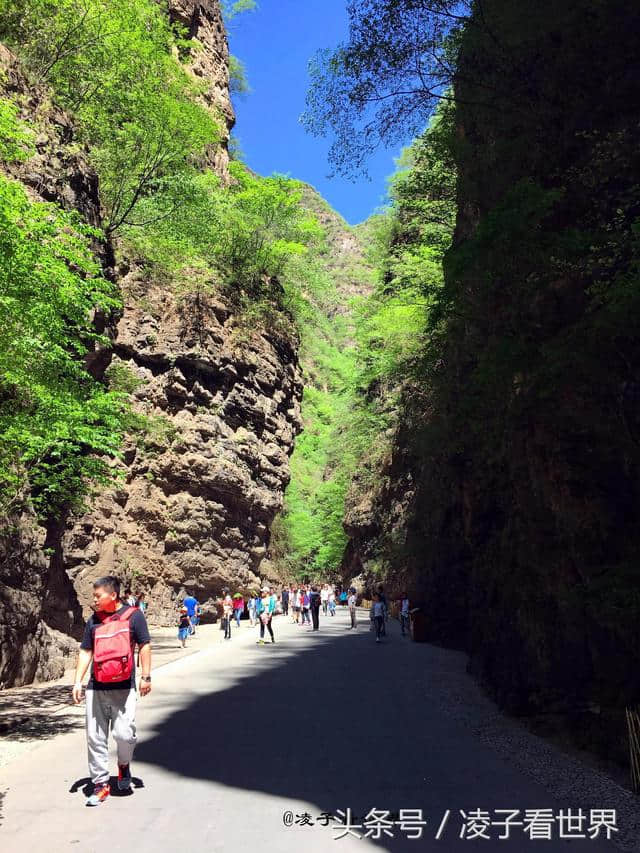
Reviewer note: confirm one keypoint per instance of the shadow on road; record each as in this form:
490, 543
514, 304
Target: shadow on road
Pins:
344, 723
22, 722
85, 786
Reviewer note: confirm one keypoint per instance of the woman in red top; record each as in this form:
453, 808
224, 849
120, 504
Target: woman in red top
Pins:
238, 607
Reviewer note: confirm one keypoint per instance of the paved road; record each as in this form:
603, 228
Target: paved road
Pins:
237, 735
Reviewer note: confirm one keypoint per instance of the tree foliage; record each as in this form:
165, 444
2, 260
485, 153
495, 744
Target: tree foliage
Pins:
115, 64
58, 425
238, 235
409, 243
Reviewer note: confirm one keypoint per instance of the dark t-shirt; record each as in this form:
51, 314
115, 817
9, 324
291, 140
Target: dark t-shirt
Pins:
139, 633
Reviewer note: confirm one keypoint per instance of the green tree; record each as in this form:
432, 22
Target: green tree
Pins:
115, 64
381, 86
240, 234
57, 424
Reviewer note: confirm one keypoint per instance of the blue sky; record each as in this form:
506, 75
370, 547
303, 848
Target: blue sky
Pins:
275, 43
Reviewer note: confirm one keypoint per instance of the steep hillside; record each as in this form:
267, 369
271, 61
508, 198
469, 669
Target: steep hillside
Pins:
336, 277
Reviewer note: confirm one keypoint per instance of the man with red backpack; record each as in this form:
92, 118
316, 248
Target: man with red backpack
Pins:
110, 637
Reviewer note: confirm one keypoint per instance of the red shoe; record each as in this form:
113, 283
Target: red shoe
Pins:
100, 794
124, 777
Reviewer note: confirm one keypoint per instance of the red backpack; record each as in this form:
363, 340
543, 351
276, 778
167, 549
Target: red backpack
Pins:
112, 648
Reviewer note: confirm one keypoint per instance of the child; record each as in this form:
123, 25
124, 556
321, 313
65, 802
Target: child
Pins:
377, 615
184, 626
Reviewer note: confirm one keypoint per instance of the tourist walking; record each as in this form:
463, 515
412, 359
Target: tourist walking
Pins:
404, 614
332, 602
192, 605
297, 606
285, 601
111, 691
251, 607
238, 607
227, 612
324, 598
306, 616
141, 603
267, 609
352, 601
377, 616
314, 603
385, 615
184, 625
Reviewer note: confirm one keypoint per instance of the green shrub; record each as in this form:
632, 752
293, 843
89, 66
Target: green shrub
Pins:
54, 417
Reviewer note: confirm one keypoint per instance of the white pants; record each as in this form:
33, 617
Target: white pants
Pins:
118, 709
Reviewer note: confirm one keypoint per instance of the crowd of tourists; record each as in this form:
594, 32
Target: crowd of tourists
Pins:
301, 602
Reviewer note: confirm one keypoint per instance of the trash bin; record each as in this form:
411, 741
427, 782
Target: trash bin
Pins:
418, 625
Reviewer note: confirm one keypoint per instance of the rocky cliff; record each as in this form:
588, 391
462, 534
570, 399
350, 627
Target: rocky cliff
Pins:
198, 487
209, 62
521, 537
199, 491
38, 605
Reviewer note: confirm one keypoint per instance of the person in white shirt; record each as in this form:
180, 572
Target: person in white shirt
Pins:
377, 615
227, 612
404, 614
297, 606
351, 601
324, 598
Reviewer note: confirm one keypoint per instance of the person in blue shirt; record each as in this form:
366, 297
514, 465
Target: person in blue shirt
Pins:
192, 605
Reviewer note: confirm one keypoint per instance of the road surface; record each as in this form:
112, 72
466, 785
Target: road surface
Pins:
240, 739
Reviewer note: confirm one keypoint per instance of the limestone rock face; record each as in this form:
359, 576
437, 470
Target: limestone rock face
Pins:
59, 170
37, 604
209, 62
200, 490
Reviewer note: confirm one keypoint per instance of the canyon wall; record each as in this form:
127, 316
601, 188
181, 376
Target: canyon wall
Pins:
39, 611
519, 537
197, 490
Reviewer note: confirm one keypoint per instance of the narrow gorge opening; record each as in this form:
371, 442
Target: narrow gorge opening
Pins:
221, 369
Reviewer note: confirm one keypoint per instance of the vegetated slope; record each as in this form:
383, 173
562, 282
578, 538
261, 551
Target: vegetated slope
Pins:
335, 277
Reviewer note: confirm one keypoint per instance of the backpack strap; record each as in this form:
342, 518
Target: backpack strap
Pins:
128, 613
121, 617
